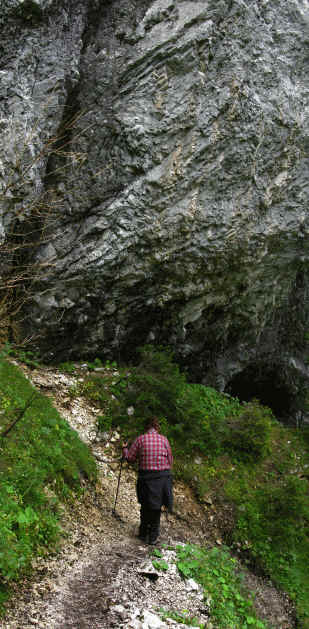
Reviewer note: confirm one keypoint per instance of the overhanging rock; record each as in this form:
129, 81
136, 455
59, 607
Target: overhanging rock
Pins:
180, 177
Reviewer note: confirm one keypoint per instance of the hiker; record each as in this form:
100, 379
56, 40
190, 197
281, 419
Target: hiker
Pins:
154, 484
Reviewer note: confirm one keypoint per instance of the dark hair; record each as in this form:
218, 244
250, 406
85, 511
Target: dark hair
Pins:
153, 422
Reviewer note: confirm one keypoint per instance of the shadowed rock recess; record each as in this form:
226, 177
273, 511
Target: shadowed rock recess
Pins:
177, 187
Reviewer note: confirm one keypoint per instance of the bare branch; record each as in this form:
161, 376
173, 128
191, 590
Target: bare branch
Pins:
18, 417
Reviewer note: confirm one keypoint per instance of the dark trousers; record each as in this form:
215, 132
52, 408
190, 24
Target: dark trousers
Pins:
149, 523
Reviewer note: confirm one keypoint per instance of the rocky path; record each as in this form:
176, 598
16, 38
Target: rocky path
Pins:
102, 577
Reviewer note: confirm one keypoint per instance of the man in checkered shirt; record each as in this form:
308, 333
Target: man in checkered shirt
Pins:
154, 484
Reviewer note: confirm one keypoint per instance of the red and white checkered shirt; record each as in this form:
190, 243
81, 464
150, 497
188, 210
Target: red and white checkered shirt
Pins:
151, 450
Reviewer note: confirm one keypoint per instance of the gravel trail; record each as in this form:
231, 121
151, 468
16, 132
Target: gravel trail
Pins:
97, 579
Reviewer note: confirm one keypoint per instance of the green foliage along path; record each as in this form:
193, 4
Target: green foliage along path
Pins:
216, 570
42, 463
237, 453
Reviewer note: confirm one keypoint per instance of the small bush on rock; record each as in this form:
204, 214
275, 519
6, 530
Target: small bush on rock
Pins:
192, 416
249, 435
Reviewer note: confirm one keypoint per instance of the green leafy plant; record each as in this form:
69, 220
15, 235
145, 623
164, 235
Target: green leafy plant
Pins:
95, 364
28, 357
217, 571
111, 364
42, 463
104, 422
250, 433
182, 618
272, 530
94, 388
192, 416
5, 350
67, 367
160, 564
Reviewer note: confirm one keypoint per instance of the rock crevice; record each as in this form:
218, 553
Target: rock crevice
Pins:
179, 176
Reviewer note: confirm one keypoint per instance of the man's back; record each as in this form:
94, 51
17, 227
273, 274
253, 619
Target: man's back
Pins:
152, 450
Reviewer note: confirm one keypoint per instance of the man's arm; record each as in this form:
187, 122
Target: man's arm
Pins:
169, 453
130, 454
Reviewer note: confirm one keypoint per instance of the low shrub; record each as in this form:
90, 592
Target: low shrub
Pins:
192, 416
217, 571
271, 528
104, 422
28, 357
94, 389
249, 436
276, 512
95, 364
67, 367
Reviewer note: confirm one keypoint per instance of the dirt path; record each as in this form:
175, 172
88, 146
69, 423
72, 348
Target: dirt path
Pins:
78, 588
96, 580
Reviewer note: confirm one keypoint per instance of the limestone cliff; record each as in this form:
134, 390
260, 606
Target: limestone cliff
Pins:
169, 140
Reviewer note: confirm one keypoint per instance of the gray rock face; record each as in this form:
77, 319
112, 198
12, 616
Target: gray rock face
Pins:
178, 185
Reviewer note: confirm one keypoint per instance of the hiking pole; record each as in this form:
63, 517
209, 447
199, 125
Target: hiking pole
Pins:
114, 509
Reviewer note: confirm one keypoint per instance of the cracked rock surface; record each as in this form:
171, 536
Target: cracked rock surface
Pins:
176, 194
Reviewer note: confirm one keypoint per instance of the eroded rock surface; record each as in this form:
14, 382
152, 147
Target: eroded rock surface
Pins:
178, 187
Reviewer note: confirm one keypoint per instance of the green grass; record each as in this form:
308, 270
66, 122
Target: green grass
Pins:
182, 618
42, 463
271, 505
231, 605
271, 529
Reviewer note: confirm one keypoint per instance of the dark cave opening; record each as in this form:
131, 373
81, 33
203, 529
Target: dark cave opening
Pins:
265, 384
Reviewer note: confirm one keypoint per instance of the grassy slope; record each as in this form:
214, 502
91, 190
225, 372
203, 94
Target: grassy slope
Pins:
42, 463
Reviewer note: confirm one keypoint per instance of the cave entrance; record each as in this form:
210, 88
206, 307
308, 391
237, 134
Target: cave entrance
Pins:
265, 384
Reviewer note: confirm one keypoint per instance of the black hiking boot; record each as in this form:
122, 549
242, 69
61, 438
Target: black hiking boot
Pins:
143, 538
